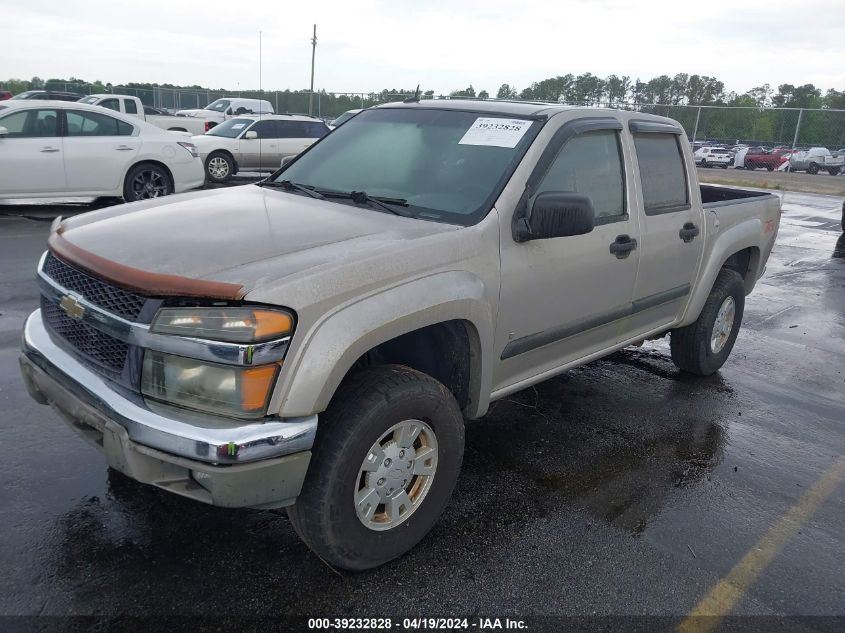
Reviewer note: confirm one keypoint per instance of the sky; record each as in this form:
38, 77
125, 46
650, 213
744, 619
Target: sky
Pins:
443, 45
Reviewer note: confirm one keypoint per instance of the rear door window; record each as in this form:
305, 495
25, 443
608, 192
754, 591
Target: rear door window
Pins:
95, 124
664, 180
130, 106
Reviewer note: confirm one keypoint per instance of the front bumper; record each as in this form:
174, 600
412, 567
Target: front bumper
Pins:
214, 460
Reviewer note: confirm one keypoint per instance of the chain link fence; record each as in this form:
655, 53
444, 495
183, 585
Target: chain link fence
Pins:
790, 127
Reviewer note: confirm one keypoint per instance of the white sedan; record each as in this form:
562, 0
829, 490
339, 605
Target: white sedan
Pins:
52, 149
255, 143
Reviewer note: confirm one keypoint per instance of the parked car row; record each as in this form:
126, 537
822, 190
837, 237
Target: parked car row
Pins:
812, 161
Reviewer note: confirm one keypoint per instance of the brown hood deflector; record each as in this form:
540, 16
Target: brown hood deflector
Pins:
142, 281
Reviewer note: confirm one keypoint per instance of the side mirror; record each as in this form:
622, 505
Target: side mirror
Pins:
229, 111
252, 134
556, 214
3, 131
286, 160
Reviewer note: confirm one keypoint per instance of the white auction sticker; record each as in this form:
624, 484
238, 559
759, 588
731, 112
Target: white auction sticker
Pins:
238, 126
495, 132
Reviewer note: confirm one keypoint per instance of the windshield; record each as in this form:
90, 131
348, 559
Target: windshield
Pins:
89, 100
219, 105
231, 128
447, 165
25, 95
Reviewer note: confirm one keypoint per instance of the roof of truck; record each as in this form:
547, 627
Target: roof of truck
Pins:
529, 109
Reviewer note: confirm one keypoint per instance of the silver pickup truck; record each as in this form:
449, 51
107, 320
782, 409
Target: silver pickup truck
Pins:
317, 340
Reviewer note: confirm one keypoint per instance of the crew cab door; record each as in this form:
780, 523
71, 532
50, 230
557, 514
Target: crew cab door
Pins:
563, 298
672, 225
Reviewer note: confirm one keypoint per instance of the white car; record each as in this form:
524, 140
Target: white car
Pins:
713, 157
255, 143
64, 149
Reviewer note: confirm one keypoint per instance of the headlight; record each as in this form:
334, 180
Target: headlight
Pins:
234, 325
220, 389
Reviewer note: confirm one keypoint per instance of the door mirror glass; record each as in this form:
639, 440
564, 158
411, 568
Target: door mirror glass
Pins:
3, 131
287, 159
557, 214
252, 134
229, 111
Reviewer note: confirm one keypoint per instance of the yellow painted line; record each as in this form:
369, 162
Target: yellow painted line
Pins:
723, 597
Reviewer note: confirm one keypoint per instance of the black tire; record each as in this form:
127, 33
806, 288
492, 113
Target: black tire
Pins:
770, 167
813, 168
703, 163
222, 165
833, 171
750, 167
842, 221
146, 180
366, 406
691, 345
724, 165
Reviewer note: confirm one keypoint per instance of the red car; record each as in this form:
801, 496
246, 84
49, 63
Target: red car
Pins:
770, 160
5, 94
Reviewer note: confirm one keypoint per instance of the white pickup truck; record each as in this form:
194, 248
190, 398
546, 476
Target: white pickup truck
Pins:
228, 107
132, 106
316, 341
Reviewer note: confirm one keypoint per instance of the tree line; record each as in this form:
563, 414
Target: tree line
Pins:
659, 94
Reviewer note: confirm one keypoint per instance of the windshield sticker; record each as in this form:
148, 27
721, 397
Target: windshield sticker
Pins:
495, 132
238, 126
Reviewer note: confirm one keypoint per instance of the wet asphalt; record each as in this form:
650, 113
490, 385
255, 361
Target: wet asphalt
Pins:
622, 487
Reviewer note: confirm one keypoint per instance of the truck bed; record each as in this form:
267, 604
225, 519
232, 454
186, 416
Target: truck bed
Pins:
717, 196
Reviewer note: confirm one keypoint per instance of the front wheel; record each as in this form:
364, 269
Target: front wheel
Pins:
219, 167
385, 461
703, 163
813, 169
146, 181
703, 346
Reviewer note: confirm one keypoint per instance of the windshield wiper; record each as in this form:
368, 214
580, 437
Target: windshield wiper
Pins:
287, 185
361, 197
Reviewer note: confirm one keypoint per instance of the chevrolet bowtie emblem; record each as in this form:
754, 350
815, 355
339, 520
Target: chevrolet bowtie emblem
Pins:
70, 304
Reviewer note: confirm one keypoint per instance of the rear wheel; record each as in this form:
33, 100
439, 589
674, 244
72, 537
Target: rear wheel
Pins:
385, 461
703, 346
833, 171
146, 181
219, 167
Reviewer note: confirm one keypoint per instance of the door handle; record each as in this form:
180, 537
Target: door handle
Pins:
122, 148
623, 246
48, 150
689, 232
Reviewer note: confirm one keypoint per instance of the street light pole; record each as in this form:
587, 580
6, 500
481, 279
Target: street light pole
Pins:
313, 55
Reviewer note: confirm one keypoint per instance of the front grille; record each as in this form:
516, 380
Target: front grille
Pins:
111, 298
98, 348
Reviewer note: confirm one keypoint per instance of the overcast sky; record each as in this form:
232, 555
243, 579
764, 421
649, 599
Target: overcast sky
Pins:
443, 45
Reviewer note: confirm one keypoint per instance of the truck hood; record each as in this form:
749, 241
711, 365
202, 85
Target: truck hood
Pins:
249, 236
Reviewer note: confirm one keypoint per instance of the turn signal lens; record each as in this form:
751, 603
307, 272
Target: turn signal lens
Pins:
235, 325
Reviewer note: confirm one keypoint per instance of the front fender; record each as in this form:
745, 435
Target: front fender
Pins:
318, 361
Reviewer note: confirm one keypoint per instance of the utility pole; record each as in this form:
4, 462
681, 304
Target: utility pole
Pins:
313, 55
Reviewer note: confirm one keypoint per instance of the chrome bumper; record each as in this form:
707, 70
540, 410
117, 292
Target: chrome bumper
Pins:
54, 376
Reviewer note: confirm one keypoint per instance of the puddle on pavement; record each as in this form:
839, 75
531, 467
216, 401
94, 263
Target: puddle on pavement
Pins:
615, 438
